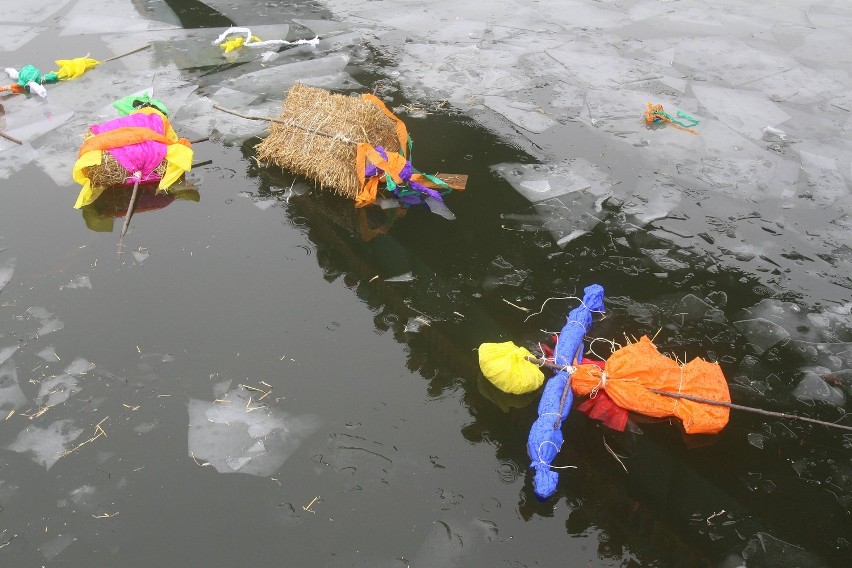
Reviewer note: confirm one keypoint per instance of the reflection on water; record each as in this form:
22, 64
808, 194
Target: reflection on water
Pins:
730, 245
101, 214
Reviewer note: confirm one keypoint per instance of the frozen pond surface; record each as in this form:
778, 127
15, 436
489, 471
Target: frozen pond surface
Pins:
264, 375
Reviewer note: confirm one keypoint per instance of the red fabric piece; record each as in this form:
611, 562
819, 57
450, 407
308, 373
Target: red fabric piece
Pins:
603, 408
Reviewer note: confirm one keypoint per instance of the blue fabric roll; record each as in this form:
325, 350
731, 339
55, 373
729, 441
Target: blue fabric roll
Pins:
545, 438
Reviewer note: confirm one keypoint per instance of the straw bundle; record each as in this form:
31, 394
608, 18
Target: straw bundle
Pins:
316, 136
110, 173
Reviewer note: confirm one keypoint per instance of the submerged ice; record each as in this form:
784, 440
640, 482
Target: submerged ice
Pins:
237, 434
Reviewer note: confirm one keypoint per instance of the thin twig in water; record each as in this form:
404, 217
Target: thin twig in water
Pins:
523, 309
618, 459
138, 49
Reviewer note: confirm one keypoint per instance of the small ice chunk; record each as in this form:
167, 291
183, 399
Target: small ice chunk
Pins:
235, 434
7, 352
7, 269
80, 281
57, 390
49, 322
79, 366
30, 122
756, 440
264, 204
52, 548
46, 445
813, 387
407, 277
761, 333
772, 134
439, 208
11, 394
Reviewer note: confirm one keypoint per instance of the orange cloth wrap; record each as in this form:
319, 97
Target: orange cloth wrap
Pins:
634, 369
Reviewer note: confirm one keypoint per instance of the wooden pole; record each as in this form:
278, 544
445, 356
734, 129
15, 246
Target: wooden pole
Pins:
130, 208
126, 54
10, 138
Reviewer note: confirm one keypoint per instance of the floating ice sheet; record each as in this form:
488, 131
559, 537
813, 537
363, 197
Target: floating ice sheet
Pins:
276, 81
46, 445
539, 182
107, 16
243, 436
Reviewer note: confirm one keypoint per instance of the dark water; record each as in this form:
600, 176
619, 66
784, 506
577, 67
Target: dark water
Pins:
397, 452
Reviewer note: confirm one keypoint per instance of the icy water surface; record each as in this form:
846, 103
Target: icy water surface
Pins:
262, 375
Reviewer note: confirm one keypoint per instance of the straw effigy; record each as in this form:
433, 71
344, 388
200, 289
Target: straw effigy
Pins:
317, 133
109, 173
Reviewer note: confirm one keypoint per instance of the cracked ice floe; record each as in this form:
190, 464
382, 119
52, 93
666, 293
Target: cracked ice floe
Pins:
100, 16
747, 112
46, 445
240, 435
523, 114
200, 117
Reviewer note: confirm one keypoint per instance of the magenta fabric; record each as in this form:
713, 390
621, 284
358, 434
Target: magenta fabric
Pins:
143, 157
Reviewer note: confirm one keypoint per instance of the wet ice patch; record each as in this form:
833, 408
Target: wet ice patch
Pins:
30, 11
238, 434
53, 547
28, 122
14, 37
46, 445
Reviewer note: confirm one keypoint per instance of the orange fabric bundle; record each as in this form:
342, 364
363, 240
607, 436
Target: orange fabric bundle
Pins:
634, 369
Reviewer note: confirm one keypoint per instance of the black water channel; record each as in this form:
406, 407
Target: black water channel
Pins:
361, 327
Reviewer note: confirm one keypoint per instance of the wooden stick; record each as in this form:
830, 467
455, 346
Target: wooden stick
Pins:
712, 402
126, 54
130, 208
344, 139
750, 409
10, 137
